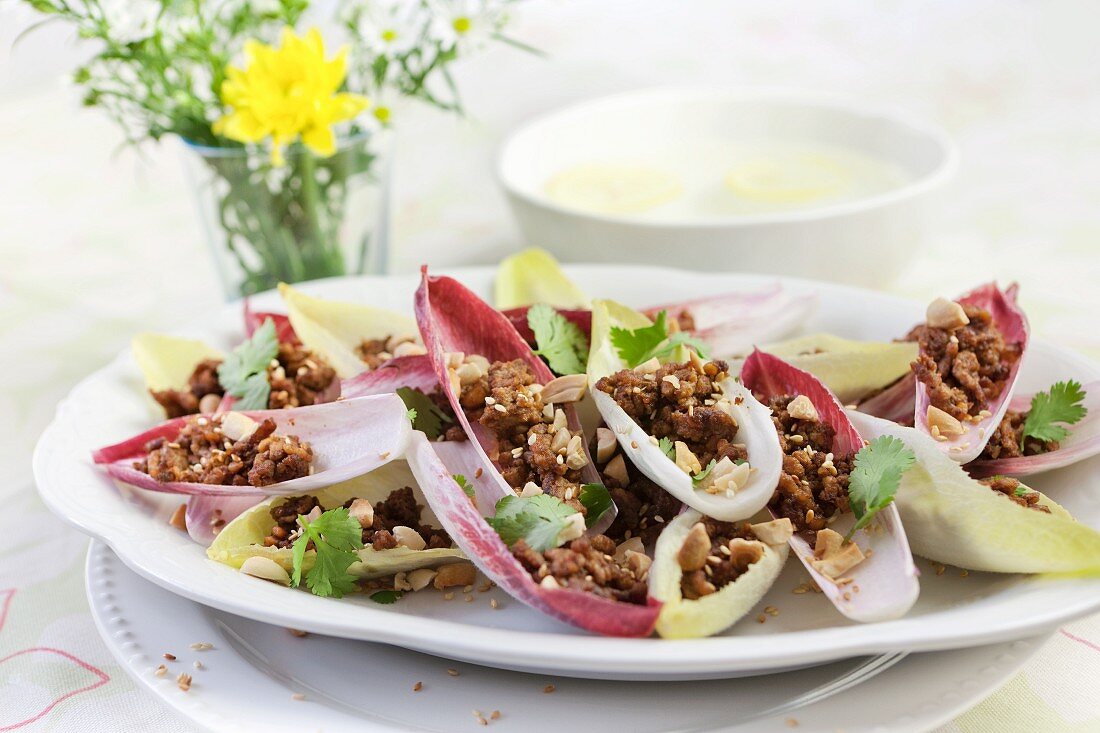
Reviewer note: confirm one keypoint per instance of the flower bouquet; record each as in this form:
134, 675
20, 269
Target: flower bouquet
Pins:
287, 140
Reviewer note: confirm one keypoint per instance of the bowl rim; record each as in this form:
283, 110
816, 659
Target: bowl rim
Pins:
942, 171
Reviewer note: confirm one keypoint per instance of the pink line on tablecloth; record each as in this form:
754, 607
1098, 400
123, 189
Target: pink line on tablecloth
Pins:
1091, 645
103, 679
9, 593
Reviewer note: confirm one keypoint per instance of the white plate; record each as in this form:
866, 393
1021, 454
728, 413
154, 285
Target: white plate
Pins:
249, 677
952, 611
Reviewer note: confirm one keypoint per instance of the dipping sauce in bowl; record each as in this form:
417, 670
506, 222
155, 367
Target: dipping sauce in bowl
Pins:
790, 183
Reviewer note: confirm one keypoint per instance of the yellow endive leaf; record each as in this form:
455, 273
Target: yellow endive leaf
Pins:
534, 276
166, 362
851, 369
334, 329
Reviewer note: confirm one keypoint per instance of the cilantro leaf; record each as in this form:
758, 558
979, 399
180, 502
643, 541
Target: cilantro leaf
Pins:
560, 341
635, 345
1021, 491
1061, 405
463, 484
667, 447
596, 500
411, 414
243, 373
537, 519
426, 415
386, 596
702, 475
879, 466
639, 345
336, 535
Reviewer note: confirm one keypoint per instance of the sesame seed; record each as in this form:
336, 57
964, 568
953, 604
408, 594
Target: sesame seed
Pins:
452, 671
202, 646
198, 665
490, 401
500, 408
548, 689
493, 604
478, 472
418, 687
169, 656
469, 599
160, 671
761, 618
298, 632
495, 715
449, 596
298, 697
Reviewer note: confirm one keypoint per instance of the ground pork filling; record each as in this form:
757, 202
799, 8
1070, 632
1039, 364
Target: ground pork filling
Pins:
203, 453
682, 402
297, 376
813, 485
588, 564
536, 451
715, 554
964, 367
376, 352
399, 509
1008, 440
1014, 491
643, 507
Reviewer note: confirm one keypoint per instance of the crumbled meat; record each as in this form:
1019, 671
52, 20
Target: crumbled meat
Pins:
964, 368
585, 564
201, 453
376, 352
300, 379
812, 479
398, 509
644, 507
1008, 440
297, 377
203, 381
526, 448
681, 404
685, 320
721, 568
1011, 489
286, 519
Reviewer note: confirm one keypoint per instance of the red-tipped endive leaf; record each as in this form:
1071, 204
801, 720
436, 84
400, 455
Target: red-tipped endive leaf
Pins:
887, 579
732, 323
518, 318
416, 372
208, 514
479, 542
452, 318
1083, 442
895, 403
349, 438
283, 330
1012, 323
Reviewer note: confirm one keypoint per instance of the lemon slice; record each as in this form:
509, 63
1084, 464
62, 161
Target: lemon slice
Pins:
789, 178
613, 189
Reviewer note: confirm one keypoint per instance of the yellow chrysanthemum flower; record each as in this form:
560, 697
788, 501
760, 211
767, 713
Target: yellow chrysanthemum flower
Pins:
287, 92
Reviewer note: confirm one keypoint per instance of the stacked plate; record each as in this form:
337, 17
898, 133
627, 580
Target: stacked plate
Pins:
800, 664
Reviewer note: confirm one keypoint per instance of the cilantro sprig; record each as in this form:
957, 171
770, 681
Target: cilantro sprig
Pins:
335, 535
426, 415
702, 475
243, 374
1062, 404
639, 345
539, 520
667, 447
874, 481
464, 484
560, 341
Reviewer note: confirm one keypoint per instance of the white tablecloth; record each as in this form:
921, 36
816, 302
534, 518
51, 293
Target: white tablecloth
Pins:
95, 246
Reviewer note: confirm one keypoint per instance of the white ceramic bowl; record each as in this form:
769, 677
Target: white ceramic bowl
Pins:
865, 241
